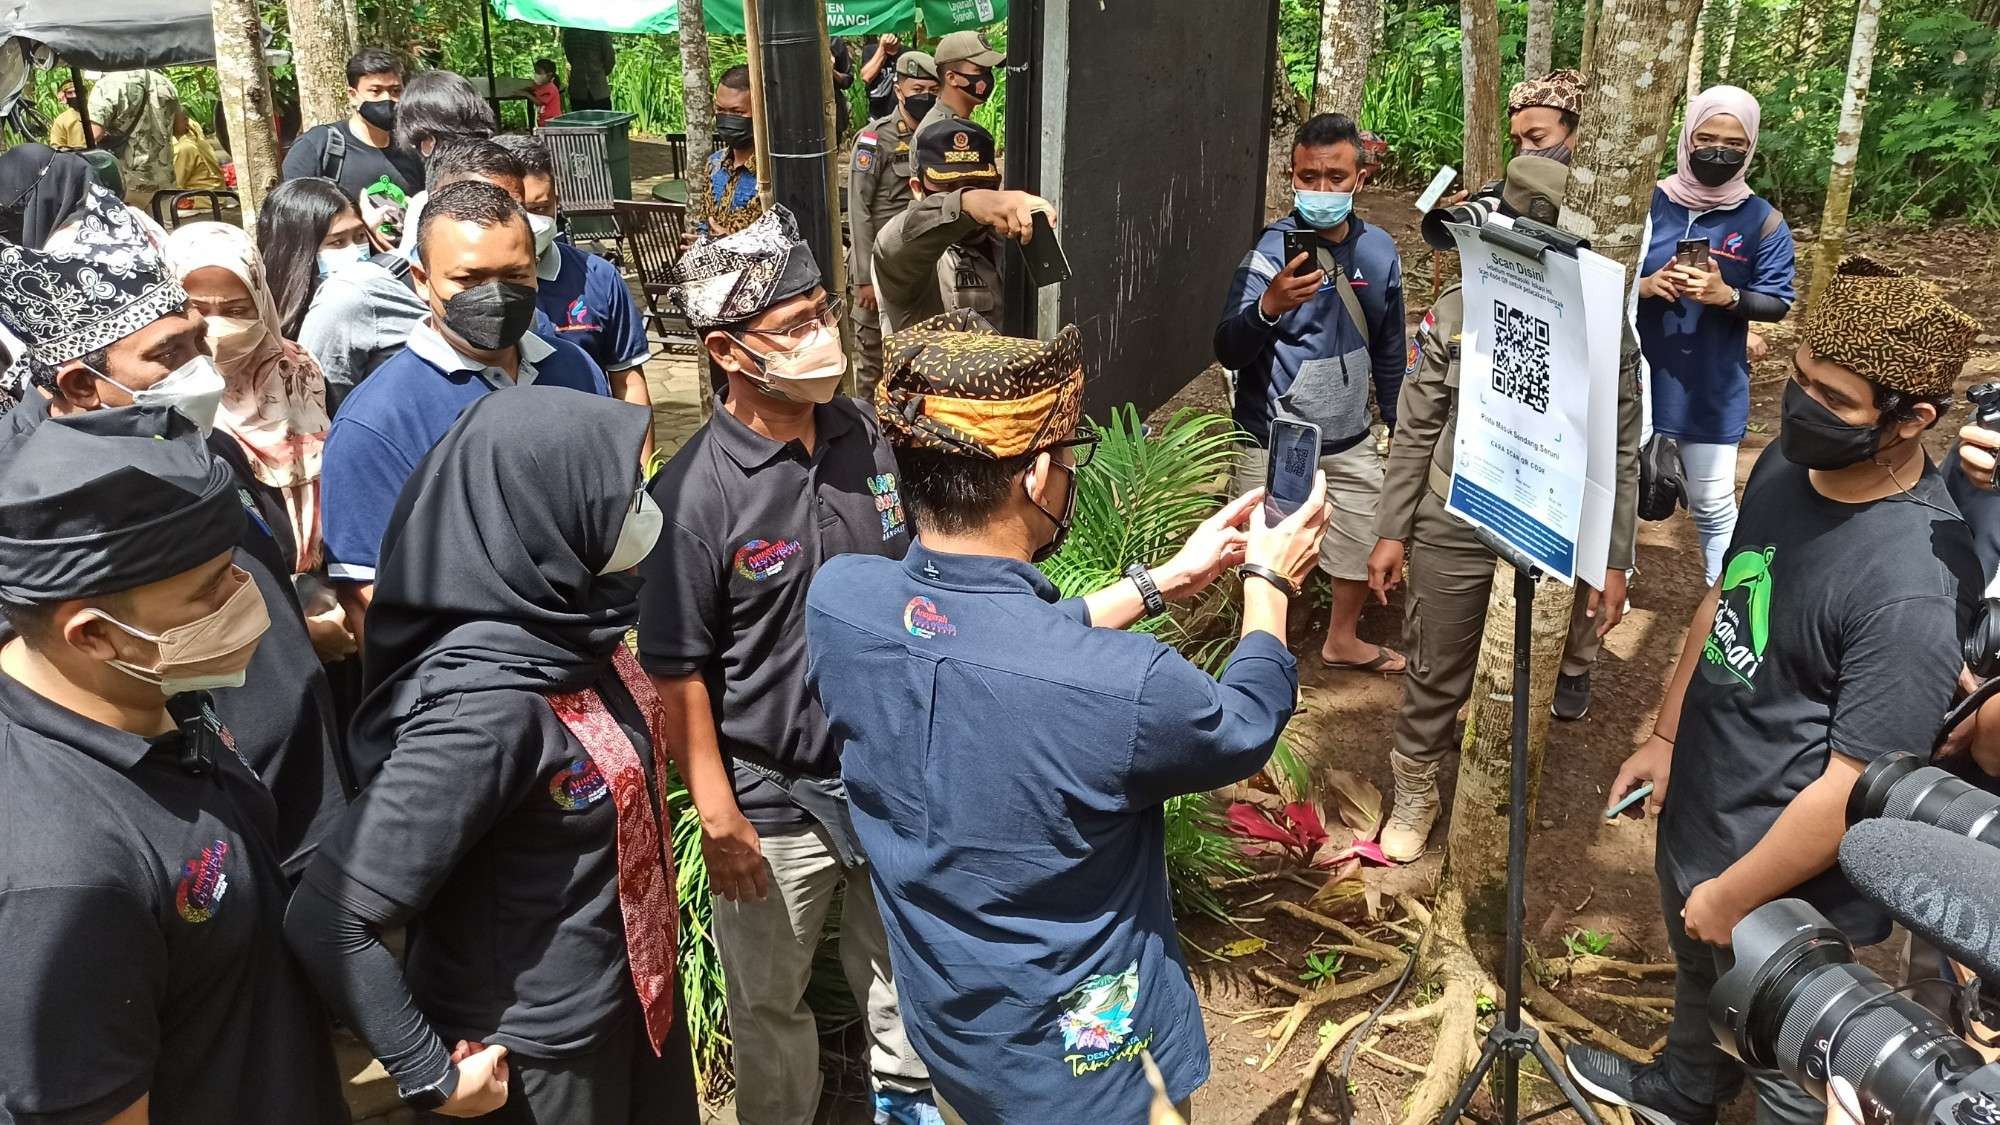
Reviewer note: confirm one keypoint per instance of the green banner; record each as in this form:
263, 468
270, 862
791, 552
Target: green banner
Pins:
725, 17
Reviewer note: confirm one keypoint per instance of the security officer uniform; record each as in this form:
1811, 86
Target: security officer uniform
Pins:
878, 189
1450, 569
961, 47
933, 257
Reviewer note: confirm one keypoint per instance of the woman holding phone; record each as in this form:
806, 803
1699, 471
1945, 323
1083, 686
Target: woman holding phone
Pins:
1717, 258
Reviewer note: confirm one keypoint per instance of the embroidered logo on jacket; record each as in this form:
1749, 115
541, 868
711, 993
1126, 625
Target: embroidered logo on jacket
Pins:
759, 559
1096, 1022
925, 620
578, 318
578, 785
202, 884
888, 504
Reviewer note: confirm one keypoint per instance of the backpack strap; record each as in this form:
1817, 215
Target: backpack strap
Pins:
1352, 304
333, 155
397, 266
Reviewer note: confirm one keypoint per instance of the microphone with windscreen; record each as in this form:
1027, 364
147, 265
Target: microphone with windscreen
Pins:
1944, 887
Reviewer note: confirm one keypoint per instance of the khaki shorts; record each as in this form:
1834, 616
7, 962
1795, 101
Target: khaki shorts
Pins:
1353, 486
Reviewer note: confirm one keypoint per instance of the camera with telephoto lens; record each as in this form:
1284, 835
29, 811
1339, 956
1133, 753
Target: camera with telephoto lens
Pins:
1473, 212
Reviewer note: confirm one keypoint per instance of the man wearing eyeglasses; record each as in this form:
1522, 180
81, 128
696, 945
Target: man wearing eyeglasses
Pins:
785, 475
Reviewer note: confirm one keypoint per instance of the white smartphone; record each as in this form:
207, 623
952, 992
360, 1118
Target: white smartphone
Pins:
1435, 191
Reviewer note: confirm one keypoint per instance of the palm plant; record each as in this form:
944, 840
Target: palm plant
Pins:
701, 984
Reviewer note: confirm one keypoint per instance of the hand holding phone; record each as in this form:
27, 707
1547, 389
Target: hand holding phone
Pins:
1043, 254
1294, 459
1692, 253
1634, 797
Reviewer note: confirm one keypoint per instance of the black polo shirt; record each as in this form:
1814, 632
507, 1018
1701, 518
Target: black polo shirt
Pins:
749, 521
141, 908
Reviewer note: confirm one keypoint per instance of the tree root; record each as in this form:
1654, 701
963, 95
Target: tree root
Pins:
1365, 946
1562, 1015
1328, 1044
1590, 964
1656, 1008
1271, 980
1328, 994
1388, 1059
1457, 1046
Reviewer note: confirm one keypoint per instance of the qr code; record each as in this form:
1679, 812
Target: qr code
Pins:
1521, 357
1299, 458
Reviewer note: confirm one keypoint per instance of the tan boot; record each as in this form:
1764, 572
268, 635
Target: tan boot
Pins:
1415, 809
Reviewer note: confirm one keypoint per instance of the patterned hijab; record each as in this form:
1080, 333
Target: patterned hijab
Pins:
274, 396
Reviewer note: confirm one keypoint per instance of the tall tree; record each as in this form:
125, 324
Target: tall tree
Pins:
1634, 90
1346, 44
1287, 112
244, 80
1846, 146
1732, 12
1696, 53
1587, 59
1479, 23
322, 38
1538, 55
696, 93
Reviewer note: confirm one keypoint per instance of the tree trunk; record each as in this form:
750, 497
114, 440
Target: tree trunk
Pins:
1695, 54
1346, 43
1479, 22
1587, 58
1634, 92
1732, 11
697, 92
244, 81
321, 42
1846, 145
1538, 56
1286, 114
1812, 25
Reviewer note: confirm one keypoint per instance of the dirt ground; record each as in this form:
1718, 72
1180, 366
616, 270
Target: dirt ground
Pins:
1584, 874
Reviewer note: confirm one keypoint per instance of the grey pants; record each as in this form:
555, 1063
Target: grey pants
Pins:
1698, 1069
1451, 580
767, 953
868, 366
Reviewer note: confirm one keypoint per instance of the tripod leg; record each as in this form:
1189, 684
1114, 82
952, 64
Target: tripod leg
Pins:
1559, 1074
1472, 1080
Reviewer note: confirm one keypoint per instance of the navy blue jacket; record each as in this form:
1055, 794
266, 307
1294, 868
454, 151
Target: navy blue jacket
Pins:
1314, 362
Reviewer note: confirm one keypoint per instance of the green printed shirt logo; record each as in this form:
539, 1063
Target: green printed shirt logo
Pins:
1734, 650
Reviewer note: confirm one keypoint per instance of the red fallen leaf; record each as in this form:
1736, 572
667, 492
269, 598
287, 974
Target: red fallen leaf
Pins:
1308, 830
1246, 820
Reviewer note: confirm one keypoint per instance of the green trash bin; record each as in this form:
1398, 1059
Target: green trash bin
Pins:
616, 125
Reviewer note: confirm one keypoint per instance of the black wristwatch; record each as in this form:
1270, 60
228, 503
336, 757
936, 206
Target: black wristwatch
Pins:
1282, 584
1149, 591
433, 1096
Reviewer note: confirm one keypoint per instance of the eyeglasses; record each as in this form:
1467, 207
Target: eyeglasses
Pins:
1082, 447
826, 314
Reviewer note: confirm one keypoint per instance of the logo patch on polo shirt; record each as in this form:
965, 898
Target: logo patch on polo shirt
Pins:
578, 785
1096, 1022
925, 620
577, 317
760, 559
202, 884
888, 504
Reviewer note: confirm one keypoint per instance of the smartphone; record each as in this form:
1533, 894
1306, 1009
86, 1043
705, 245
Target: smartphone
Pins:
1630, 799
1692, 252
1303, 242
1047, 264
1288, 482
1433, 193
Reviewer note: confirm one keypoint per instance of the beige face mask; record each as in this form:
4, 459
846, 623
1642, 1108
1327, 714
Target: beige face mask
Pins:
210, 652
810, 372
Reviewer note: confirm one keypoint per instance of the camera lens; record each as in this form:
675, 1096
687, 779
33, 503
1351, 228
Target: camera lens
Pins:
1474, 211
1901, 787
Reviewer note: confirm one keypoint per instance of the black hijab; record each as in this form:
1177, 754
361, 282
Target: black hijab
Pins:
40, 191
488, 579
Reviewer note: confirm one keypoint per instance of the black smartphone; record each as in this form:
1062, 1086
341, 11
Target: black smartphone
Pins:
1303, 242
1692, 252
1288, 481
1047, 264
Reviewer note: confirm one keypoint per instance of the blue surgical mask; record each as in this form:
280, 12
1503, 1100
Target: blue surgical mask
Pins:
332, 261
1322, 210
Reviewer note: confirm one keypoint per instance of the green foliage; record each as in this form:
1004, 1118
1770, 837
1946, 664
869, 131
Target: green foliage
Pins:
1321, 968
1580, 942
700, 962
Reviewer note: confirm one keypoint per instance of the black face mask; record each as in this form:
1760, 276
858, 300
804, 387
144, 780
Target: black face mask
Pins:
979, 85
1817, 438
1048, 550
491, 316
733, 130
1560, 153
380, 113
919, 106
1715, 166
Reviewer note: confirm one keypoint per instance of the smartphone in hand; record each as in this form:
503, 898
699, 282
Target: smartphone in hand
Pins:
1043, 254
1692, 252
1303, 242
1626, 803
1294, 462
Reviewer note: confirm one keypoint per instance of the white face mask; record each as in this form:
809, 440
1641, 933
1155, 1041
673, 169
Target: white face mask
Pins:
194, 388
809, 372
636, 536
334, 260
544, 230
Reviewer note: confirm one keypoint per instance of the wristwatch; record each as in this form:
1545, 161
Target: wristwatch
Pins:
1280, 582
1149, 591
433, 1096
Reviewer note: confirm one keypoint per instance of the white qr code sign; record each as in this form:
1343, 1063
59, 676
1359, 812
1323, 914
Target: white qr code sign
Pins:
1529, 389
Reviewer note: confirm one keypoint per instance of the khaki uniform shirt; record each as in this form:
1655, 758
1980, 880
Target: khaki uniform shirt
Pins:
1420, 454
139, 106
878, 188
939, 112
933, 258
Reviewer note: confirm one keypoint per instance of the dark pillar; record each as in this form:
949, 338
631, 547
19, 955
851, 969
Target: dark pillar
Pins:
797, 67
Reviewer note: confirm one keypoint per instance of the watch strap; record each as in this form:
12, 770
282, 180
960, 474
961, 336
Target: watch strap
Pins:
1149, 591
1257, 570
434, 1095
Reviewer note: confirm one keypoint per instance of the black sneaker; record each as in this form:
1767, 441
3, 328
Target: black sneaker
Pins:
1642, 1088
1572, 700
